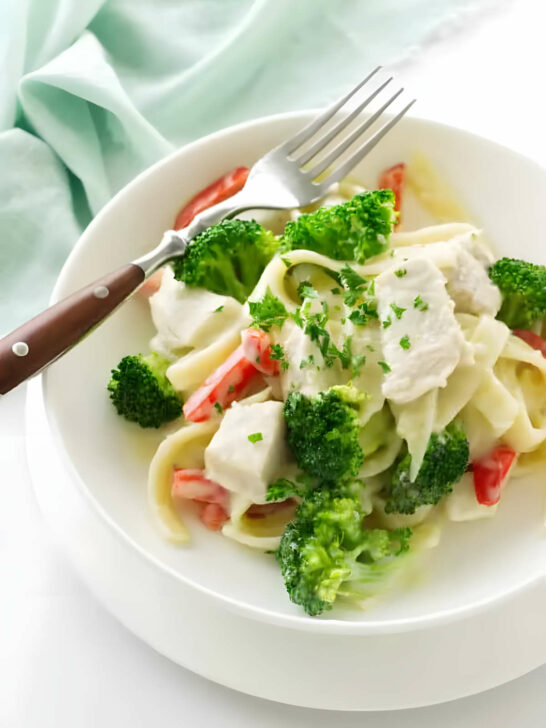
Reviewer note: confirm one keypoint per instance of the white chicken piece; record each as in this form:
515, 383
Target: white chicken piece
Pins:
187, 318
421, 340
463, 260
248, 466
468, 283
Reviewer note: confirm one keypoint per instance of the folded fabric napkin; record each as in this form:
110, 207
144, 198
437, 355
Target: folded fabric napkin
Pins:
94, 91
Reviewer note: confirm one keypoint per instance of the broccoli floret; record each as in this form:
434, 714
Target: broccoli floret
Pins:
523, 289
141, 392
325, 552
355, 230
378, 430
322, 432
444, 463
228, 258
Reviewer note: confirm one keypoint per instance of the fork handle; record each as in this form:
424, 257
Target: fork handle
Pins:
38, 342
46, 337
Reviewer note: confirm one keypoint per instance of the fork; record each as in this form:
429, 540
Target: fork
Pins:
282, 179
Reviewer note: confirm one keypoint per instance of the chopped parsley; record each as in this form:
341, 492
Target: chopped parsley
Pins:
405, 342
231, 388
255, 437
268, 312
217, 310
218, 407
363, 313
335, 291
397, 310
387, 322
307, 362
346, 354
352, 297
401, 272
297, 318
356, 288
277, 353
314, 328
357, 362
287, 263
386, 368
419, 304
353, 283
350, 278
306, 290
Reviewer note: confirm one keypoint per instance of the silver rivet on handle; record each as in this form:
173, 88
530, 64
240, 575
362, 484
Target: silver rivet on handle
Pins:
101, 292
20, 348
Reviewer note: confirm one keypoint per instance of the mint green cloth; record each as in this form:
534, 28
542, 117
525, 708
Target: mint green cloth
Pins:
94, 91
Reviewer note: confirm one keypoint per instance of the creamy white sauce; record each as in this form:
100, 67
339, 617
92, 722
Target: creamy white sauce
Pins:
461, 503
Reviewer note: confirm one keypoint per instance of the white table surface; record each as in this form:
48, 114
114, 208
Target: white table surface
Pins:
65, 662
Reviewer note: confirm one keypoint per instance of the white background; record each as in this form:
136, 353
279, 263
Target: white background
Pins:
64, 661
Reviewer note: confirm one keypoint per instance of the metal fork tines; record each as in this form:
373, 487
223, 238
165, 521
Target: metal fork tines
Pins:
307, 145
301, 169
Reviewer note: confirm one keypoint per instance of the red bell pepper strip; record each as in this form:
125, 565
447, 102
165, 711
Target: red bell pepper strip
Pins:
491, 473
221, 388
534, 340
213, 516
257, 349
219, 190
191, 484
393, 179
232, 378
151, 285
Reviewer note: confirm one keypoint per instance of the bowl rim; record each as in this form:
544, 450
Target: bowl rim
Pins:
302, 622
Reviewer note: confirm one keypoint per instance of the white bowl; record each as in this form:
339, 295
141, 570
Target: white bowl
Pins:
474, 619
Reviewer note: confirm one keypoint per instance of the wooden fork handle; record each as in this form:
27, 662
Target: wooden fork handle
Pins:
51, 333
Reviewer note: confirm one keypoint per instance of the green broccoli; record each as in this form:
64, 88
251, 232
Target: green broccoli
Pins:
444, 463
355, 230
325, 552
377, 431
228, 258
141, 392
523, 289
322, 432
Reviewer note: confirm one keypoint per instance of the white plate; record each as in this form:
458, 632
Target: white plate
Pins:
474, 620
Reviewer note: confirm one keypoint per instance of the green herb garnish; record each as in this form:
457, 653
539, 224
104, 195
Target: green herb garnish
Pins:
267, 312
398, 310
